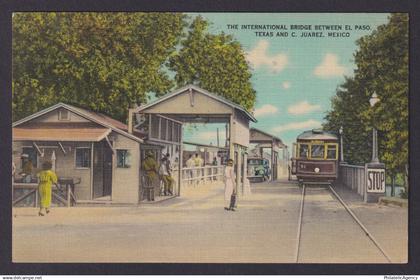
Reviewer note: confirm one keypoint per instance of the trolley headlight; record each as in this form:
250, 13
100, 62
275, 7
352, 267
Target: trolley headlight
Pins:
316, 170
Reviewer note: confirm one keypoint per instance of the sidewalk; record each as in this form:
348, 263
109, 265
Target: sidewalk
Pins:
387, 223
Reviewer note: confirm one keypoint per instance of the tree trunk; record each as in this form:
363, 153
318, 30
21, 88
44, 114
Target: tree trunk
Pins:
392, 185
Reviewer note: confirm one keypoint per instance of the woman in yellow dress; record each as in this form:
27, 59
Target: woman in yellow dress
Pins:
46, 178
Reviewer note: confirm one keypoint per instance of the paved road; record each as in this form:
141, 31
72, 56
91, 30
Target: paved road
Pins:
338, 237
196, 228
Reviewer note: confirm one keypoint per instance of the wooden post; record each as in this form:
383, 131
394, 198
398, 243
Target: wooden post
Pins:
239, 175
231, 138
181, 151
91, 171
245, 172
68, 196
272, 160
36, 198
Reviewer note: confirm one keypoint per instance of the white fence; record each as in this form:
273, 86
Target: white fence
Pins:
353, 177
197, 175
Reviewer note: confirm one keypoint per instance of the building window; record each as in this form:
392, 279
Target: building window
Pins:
82, 157
177, 133
170, 131
63, 115
154, 129
163, 126
123, 159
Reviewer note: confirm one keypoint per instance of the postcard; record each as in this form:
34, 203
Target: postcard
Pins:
163, 137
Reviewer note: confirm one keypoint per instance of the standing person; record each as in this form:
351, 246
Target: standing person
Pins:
166, 178
214, 170
190, 172
27, 168
151, 168
230, 192
169, 179
198, 163
46, 178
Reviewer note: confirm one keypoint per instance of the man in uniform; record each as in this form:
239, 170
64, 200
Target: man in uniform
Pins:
151, 168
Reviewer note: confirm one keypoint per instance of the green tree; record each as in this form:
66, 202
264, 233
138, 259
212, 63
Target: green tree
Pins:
347, 108
382, 67
102, 61
214, 62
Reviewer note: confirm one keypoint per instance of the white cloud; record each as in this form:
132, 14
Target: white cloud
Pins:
259, 57
297, 125
286, 85
303, 107
330, 67
266, 109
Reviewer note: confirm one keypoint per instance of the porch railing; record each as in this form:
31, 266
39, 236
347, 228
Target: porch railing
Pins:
26, 195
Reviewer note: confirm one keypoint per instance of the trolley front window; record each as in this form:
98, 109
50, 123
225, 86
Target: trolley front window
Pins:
317, 151
332, 152
303, 150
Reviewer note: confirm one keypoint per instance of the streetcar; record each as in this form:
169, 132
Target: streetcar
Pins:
315, 157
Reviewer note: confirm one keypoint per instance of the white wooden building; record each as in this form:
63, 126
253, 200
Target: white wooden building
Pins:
95, 150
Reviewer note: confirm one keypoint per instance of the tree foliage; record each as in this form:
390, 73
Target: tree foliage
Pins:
106, 62
382, 67
214, 62
102, 61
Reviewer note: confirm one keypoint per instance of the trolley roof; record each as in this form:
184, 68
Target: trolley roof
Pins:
316, 134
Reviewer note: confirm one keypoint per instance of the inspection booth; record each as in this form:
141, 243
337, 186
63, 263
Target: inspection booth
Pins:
92, 151
192, 104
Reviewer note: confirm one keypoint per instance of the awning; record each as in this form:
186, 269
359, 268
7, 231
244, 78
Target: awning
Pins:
76, 134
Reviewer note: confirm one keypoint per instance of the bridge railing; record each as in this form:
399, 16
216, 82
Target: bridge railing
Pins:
353, 177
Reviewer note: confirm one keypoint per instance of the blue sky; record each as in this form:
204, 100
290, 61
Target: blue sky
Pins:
294, 77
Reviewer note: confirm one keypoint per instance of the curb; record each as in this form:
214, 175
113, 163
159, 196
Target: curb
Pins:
393, 201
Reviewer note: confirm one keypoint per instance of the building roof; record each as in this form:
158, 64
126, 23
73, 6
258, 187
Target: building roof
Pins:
200, 90
316, 134
98, 118
60, 134
267, 134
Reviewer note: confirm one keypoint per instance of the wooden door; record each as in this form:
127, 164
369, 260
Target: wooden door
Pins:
97, 165
107, 171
